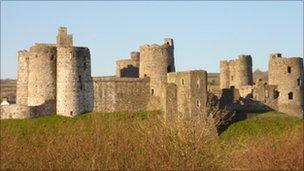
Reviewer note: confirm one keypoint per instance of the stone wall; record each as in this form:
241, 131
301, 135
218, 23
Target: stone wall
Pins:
112, 94
42, 74
169, 102
236, 73
128, 67
22, 77
287, 74
191, 92
16, 111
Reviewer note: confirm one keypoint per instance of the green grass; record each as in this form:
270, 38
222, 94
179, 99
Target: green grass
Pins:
141, 141
269, 123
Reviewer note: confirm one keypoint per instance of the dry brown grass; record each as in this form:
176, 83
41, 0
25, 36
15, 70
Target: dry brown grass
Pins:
283, 152
136, 141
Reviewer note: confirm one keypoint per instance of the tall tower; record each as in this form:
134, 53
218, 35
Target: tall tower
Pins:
287, 74
236, 73
22, 79
243, 71
42, 75
224, 74
74, 81
155, 62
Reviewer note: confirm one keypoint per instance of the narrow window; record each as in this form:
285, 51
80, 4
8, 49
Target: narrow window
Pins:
152, 92
52, 57
276, 94
145, 75
85, 65
169, 69
198, 103
289, 69
71, 113
183, 81
198, 83
231, 78
299, 81
290, 95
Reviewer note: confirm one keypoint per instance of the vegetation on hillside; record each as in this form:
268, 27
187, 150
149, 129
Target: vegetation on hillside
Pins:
141, 141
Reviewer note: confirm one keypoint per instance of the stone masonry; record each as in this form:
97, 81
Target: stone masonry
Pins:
56, 79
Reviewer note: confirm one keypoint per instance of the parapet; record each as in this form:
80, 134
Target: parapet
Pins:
278, 59
168, 43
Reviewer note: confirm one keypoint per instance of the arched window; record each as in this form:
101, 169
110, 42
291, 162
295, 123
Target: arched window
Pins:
52, 57
289, 69
152, 92
290, 95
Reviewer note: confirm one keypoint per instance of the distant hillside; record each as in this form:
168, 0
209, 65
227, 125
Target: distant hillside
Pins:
8, 89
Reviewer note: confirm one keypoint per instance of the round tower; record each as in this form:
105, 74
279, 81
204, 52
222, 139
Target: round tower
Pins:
243, 71
155, 62
224, 74
42, 74
67, 78
287, 74
22, 79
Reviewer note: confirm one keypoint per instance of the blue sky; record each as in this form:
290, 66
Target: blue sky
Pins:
203, 32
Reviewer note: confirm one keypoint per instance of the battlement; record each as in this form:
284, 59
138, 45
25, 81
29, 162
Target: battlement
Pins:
135, 55
23, 53
278, 59
275, 55
169, 41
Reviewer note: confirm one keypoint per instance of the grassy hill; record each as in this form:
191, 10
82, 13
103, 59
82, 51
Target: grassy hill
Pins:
140, 141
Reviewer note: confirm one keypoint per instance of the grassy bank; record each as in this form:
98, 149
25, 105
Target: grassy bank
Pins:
141, 141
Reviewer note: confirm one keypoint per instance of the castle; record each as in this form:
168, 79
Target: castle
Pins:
56, 78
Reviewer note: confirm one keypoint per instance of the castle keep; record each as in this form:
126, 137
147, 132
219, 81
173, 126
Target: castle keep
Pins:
53, 78
56, 79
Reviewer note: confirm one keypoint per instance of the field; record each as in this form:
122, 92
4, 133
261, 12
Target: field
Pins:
141, 141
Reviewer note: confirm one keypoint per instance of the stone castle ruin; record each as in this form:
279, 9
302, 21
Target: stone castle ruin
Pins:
56, 79
283, 91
